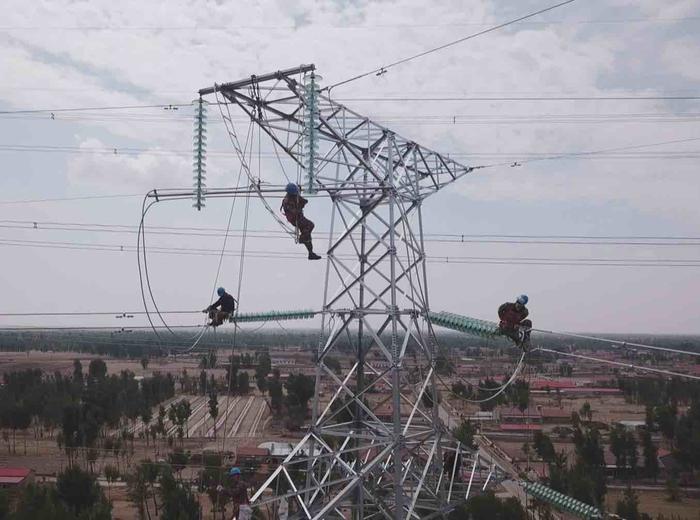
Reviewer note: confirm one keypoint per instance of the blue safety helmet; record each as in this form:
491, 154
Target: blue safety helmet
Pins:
522, 299
221, 291
234, 471
292, 189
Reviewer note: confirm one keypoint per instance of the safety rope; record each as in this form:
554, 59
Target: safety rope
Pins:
254, 183
241, 265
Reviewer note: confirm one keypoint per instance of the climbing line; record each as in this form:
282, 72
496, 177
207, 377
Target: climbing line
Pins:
143, 272
254, 183
241, 265
618, 363
503, 387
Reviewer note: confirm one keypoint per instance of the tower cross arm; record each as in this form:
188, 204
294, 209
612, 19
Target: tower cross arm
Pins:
417, 170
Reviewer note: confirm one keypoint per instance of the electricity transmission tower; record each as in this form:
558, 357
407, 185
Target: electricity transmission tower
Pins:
376, 446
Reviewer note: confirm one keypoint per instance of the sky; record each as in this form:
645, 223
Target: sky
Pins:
81, 54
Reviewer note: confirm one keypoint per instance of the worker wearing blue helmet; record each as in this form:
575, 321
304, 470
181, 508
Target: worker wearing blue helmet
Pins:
221, 309
236, 492
514, 323
293, 209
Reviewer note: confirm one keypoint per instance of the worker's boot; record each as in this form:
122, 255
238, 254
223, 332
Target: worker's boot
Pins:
310, 248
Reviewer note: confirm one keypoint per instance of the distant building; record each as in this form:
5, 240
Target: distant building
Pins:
251, 455
15, 477
554, 415
520, 428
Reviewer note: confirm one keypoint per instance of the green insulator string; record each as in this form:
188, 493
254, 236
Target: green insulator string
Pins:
200, 152
311, 124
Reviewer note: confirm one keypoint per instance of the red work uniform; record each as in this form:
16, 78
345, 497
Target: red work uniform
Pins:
293, 209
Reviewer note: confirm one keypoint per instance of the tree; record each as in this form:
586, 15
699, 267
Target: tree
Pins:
38, 502
489, 507
80, 492
543, 447
214, 408
232, 376
146, 417
618, 446
112, 475
650, 451
666, 417
443, 366
77, 372
137, 491
97, 370
673, 490
300, 388
333, 364
178, 459
628, 507
4, 504
179, 413
261, 382
519, 395
203, 382
461, 389
178, 500
276, 394
631, 449
586, 411
464, 433
243, 383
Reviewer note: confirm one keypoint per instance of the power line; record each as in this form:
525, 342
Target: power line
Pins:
64, 199
444, 118
83, 109
130, 151
98, 327
619, 363
574, 155
449, 238
334, 26
438, 259
619, 343
92, 313
383, 69
518, 98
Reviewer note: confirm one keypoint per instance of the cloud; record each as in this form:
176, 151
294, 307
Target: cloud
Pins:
139, 173
681, 57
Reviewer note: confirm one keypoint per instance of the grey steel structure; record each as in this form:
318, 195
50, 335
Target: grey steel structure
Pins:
376, 446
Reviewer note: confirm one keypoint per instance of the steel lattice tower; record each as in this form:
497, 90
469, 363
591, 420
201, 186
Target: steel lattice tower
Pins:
365, 455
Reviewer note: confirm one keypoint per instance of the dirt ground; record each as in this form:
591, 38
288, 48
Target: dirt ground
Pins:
654, 503
63, 361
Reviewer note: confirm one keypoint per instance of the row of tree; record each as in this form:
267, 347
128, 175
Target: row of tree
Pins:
82, 406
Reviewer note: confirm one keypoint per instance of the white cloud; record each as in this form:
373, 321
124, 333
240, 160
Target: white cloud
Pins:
138, 173
45, 63
682, 56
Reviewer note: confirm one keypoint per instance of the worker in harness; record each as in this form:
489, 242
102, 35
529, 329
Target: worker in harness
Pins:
236, 491
513, 323
293, 209
227, 304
